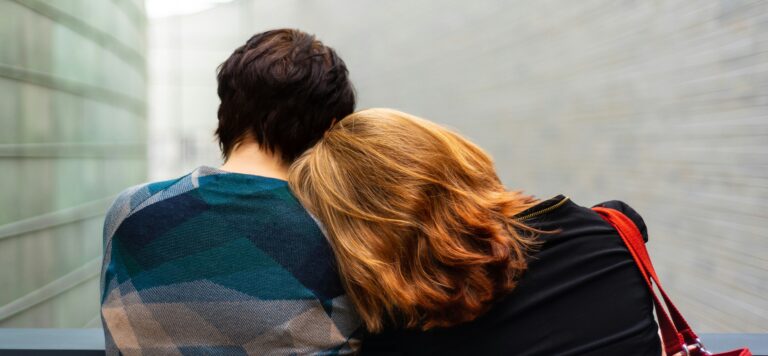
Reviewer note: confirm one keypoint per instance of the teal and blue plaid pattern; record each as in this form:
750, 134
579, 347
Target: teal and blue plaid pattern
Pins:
220, 263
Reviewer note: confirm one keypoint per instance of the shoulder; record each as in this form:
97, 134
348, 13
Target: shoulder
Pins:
629, 212
139, 196
122, 207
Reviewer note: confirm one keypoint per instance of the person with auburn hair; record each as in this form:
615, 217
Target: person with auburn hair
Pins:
439, 258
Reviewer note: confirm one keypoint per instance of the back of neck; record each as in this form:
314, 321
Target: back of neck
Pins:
249, 158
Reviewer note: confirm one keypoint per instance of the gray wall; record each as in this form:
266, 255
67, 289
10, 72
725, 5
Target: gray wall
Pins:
72, 135
662, 104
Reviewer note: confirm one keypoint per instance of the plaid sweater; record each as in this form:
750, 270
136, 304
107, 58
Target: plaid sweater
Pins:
220, 263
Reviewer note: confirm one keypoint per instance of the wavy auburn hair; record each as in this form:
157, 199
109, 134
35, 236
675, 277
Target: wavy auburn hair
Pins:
420, 224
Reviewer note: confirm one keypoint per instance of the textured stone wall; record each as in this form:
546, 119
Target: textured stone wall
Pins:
72, 135
662, 104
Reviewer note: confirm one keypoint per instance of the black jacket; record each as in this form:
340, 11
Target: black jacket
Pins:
581, 295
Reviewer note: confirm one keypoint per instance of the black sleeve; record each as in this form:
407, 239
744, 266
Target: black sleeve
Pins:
386, 343
629, 212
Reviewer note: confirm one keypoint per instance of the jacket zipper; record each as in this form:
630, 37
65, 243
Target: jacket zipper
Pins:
545, 210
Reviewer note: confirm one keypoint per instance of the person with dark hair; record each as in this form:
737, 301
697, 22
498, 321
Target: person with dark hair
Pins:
280, 91
225, 260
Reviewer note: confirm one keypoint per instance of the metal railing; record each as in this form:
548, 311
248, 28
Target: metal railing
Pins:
87, 342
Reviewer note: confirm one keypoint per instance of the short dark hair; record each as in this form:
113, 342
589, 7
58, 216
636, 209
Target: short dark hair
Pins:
283, 88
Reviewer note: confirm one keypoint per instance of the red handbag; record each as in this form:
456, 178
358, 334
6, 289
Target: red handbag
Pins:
676, 335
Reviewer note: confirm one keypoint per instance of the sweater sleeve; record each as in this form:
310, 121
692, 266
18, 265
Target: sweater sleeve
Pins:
629, 212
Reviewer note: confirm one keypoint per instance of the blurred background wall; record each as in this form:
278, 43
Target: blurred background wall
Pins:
660, 103
72, 135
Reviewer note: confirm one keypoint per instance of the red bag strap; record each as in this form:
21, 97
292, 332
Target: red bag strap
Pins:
675, 331
635, 242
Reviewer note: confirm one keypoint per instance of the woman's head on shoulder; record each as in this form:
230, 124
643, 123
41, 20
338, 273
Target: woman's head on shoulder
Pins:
418, 219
